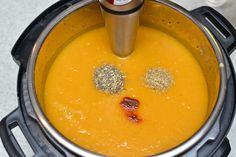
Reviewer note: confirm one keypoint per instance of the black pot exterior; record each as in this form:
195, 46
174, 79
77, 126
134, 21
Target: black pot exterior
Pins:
44, 145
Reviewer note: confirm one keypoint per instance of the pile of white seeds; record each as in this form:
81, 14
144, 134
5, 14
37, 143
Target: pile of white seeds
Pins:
158, 79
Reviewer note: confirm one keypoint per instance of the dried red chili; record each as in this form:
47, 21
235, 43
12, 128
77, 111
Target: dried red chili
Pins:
130, 106
134, 118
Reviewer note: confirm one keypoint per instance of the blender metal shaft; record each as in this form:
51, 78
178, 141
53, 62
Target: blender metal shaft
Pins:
121, 21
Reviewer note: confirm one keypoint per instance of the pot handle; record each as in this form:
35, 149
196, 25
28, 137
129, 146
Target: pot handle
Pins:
24, 45
12, 147
219, 26
223, 150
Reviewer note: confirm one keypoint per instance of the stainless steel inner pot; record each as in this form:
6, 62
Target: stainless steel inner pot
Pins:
162, 15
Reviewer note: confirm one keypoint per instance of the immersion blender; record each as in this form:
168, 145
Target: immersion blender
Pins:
122, 22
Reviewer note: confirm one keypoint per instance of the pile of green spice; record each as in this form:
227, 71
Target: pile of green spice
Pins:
109, 79
158, 79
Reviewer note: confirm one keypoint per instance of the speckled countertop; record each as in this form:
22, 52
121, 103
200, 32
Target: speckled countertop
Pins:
16, 15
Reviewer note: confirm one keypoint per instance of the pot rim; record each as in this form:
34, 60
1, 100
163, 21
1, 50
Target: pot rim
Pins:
47, 127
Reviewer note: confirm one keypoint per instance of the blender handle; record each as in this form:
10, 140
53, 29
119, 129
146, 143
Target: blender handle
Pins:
10, 143
219, 26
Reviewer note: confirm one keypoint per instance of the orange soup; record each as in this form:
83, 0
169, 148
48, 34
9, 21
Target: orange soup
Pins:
96, 121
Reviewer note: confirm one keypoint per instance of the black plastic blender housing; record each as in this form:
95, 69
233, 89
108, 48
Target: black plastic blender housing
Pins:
44, 145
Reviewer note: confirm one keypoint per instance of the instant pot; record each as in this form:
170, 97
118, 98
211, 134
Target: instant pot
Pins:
211, 37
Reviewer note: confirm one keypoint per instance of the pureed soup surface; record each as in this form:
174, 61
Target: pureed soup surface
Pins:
95, 120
